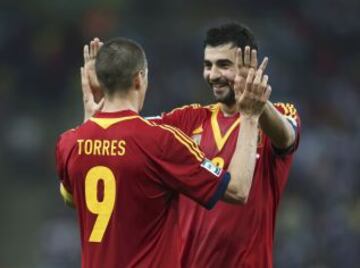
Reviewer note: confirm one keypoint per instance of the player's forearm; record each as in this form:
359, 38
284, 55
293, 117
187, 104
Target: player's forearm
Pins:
243, 162
275, 126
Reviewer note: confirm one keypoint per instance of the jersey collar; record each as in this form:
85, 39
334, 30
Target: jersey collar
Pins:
108, 119
117, 114
220, 140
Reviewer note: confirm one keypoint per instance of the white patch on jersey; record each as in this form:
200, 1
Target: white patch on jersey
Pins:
257, 156
209, 166
152, 117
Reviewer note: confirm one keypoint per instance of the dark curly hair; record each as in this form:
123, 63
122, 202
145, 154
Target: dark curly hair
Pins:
235, 33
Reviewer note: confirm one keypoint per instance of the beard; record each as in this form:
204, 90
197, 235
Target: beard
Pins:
226, 95
228, 98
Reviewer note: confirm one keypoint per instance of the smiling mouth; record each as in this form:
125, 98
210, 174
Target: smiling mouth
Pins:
219, 87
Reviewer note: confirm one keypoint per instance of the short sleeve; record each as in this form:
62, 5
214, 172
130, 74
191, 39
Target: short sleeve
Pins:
62, 151
290, 113
187, 118
184, 169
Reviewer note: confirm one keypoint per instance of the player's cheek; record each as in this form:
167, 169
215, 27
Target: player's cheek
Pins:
206, 75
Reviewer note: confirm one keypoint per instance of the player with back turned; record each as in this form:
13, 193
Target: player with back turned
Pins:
123, 174
232, 236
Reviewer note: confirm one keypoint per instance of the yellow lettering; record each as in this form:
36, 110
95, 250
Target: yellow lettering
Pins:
80, 142
113, 147
102, 147
88, 147
97, 147
121, 146
105, 148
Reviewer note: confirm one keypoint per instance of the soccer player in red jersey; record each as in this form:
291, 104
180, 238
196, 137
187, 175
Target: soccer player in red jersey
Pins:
233, 236
230, 236
123, 174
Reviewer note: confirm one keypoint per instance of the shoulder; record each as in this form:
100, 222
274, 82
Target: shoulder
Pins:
66, 141
155, 129
212, 107
163, 133
151, 132
191, 108
287, 109
65, 144
175, 140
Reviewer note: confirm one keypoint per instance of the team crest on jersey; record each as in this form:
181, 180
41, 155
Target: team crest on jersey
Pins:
211, 167
196, 138
196, 134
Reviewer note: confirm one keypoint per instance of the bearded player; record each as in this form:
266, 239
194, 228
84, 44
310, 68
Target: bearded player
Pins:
233, 236
123, 174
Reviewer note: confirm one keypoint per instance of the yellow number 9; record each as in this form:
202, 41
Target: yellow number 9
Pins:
103, 208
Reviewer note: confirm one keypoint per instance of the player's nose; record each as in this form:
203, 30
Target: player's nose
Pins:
214, 74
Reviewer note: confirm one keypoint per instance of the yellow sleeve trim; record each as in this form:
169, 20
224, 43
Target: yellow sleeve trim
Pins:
152, 124
66, 196
181, 137
213, 107
194, 106
187, 142
289, 109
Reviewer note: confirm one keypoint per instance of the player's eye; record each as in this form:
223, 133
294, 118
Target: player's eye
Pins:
224, 64
207, 65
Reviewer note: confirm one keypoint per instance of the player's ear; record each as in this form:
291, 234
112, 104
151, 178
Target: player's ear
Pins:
138, 80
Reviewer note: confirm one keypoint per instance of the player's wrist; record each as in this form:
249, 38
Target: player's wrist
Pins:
250, 118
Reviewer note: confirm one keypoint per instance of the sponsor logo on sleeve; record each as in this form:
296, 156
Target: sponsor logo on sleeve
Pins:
209, 166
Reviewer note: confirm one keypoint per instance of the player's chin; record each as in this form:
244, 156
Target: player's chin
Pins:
221, 94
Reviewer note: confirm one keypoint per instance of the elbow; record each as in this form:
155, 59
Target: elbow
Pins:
285, 141
236, 197
241, 198
239, 191
289, 139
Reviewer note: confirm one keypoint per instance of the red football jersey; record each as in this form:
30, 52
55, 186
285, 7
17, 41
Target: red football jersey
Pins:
124, 174
229, 235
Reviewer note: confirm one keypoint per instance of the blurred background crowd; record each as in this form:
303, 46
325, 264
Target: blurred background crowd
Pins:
313, 48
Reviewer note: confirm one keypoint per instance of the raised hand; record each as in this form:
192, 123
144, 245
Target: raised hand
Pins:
90, 105
91, 89
89, 65
247, 60
252, 93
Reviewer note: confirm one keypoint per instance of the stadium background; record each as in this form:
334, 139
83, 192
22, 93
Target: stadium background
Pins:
314, 62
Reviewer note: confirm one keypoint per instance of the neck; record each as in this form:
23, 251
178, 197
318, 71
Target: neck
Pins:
228, 110
119, 102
